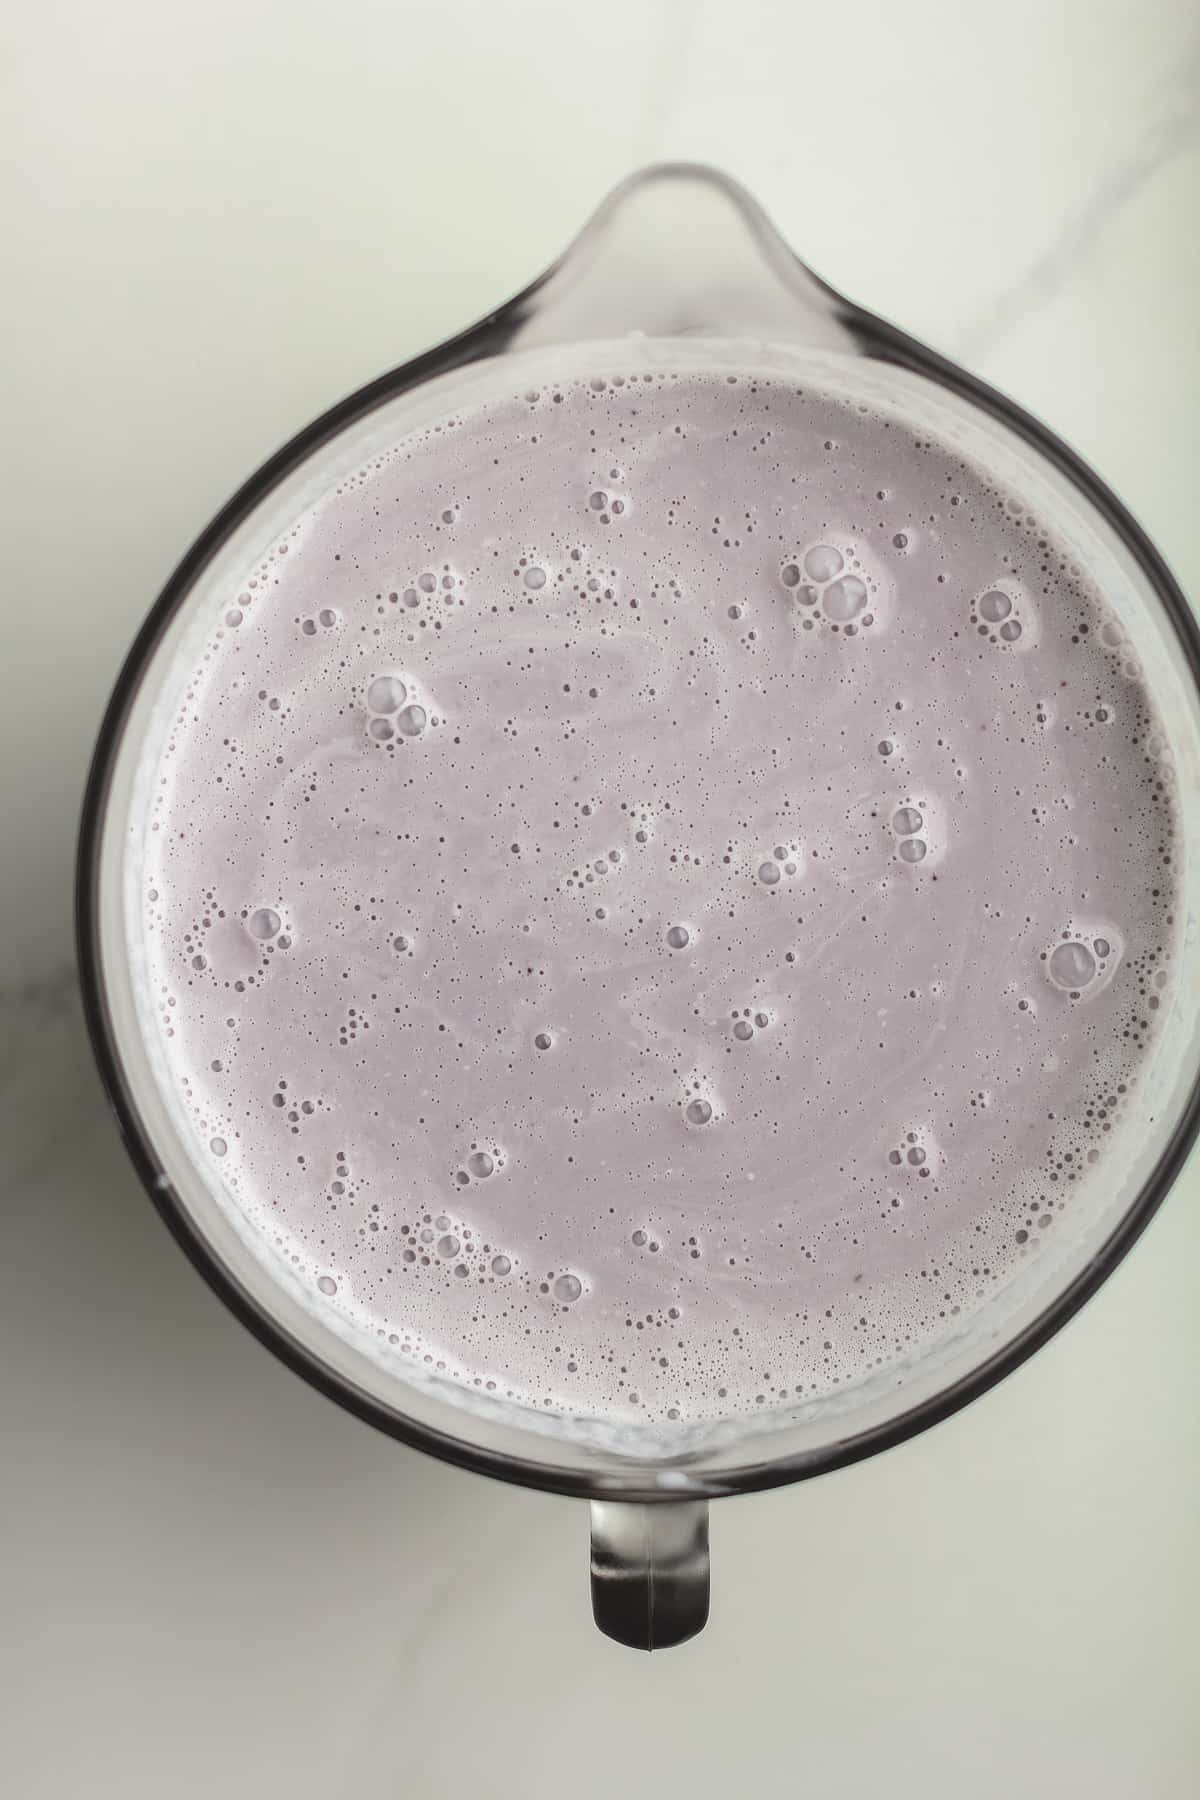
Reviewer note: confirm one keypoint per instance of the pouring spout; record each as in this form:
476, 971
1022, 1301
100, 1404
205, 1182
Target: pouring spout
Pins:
682, 250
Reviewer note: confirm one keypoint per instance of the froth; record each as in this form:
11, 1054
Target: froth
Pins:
659, 893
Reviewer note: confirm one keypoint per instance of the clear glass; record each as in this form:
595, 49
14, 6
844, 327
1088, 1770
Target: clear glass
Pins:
678, 268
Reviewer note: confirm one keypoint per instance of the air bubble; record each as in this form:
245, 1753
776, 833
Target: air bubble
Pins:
1072, 965
543, 1040
844, 599
386, 694
480, 1164
743, 1031
412, 720
535, 577
678, 937
218, 1146
448, 1245
823, 562
769, 872
327, 1284
912, 850
501, 1265
567, 1288
263, 923
381, 730
1010, 631
698, 1112
906, 821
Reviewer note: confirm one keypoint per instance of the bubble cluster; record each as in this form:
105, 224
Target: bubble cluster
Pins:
629, 935
907, 821
1079, 965
911, 1155
391, 713
325, 620
822, 582
1001, 616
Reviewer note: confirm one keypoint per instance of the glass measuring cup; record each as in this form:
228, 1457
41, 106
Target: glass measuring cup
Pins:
678, 264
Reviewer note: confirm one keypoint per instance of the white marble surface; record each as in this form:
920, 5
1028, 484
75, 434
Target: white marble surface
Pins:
217, 219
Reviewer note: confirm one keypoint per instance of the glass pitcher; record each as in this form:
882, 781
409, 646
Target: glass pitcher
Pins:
678, 259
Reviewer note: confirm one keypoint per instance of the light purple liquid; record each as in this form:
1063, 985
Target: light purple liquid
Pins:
659, 892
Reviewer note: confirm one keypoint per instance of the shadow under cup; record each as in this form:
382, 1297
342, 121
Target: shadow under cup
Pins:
648, 1481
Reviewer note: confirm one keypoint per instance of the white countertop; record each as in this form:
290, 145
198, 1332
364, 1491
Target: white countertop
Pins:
219, 219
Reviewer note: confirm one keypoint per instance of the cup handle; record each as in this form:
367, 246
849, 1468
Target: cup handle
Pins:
650, 1571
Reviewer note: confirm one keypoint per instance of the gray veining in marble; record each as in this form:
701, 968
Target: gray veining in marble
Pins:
1170, 130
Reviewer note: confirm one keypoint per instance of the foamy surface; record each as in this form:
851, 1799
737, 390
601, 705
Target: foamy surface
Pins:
659, 892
